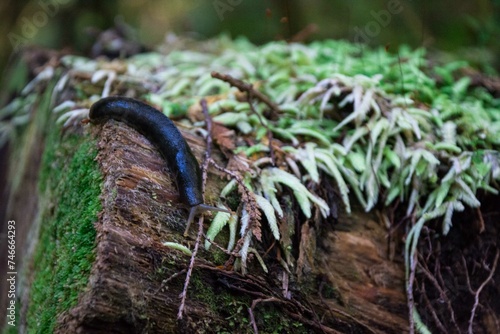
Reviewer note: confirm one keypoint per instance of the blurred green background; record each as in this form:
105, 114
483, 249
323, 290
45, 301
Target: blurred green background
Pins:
469, 29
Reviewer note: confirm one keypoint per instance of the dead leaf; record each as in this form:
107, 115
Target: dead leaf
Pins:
223, 137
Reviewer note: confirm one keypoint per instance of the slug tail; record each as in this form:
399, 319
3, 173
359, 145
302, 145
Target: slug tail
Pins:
199, 209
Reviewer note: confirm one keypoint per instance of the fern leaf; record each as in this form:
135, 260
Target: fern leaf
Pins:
220, 220
268, 210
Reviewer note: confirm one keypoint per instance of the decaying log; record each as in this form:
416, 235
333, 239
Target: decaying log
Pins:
349, 272
345, 281
353, 286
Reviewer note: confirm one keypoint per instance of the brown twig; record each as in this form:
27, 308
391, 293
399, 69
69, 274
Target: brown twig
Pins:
437, 280
442, 293
481, 287
245, 87
428, 303
204, 171
439, 277
166, 280
252, 321
190, 269
251, 93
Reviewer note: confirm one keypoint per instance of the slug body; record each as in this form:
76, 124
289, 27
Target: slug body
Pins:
167, 139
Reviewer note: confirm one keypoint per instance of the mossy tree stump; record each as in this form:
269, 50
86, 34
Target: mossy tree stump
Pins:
94, 259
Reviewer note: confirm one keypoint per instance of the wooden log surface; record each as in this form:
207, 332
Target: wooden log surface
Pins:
140, 212
355, 288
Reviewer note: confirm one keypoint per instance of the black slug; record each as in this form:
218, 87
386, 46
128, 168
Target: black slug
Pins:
167, 139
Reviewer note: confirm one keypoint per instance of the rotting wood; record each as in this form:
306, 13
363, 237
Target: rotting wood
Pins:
125, 293
349, 271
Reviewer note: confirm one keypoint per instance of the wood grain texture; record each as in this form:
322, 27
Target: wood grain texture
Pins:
142, 210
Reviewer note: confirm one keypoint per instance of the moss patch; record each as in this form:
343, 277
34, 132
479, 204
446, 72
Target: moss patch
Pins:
270, 317
220, 301
70, 188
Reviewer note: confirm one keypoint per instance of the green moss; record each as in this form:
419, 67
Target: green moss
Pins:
70, 188
216, 255
269, 316
220, 301
206, 294
270, 319
330, 292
